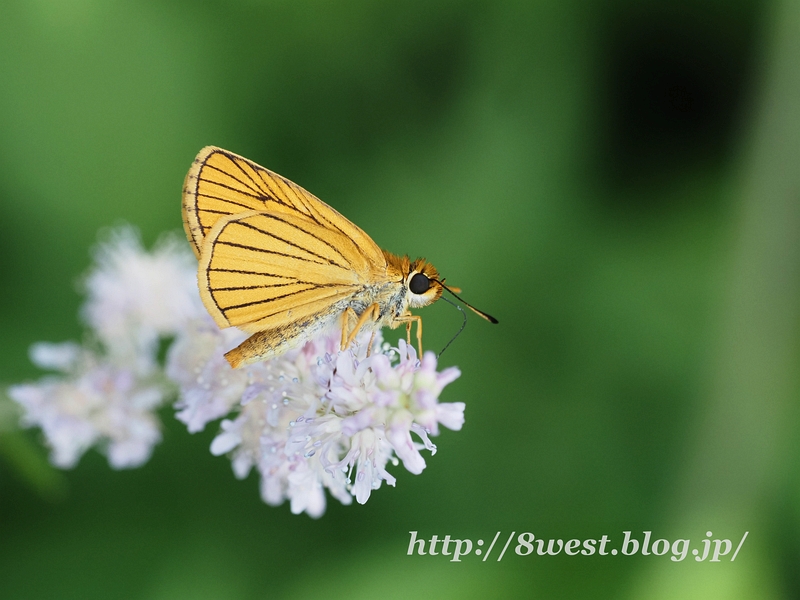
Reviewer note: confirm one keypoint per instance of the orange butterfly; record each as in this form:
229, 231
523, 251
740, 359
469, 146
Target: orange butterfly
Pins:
279, 263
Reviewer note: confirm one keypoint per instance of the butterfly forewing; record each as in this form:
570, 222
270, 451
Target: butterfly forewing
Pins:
265, 270
221, 183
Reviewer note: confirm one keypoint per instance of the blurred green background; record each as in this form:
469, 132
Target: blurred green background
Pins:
616, 182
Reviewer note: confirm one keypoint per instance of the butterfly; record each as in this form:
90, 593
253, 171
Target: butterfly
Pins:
277, 262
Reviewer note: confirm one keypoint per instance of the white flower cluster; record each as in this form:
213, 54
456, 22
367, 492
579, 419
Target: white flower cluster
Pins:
91, 402
314, 418
105, 394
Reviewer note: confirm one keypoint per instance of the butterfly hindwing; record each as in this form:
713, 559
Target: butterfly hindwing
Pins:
263, 270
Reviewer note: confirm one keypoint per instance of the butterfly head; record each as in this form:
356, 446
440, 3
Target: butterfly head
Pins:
422, 282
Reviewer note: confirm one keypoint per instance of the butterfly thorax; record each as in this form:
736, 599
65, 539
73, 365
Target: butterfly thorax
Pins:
391, 298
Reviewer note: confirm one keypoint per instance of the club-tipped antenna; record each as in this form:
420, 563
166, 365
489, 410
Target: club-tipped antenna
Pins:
480, 313
486, 316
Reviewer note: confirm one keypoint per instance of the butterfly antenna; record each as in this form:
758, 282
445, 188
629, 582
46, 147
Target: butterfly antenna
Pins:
463, 324
486, 316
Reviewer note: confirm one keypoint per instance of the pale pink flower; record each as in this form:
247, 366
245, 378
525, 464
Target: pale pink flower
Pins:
90, 403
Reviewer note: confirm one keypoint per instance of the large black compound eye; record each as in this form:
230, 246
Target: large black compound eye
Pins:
419, 284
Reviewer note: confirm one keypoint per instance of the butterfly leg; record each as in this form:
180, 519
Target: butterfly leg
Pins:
371, 314
371, 339
409, 319
348, 315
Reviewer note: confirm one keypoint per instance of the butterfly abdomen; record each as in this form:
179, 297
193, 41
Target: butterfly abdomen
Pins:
270, 343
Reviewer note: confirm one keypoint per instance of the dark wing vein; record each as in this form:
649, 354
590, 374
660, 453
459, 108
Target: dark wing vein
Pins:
244, 272
273, 299
270, 285
275, 217
292, 244
264, 251
277, 197
253, 188
257, 194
